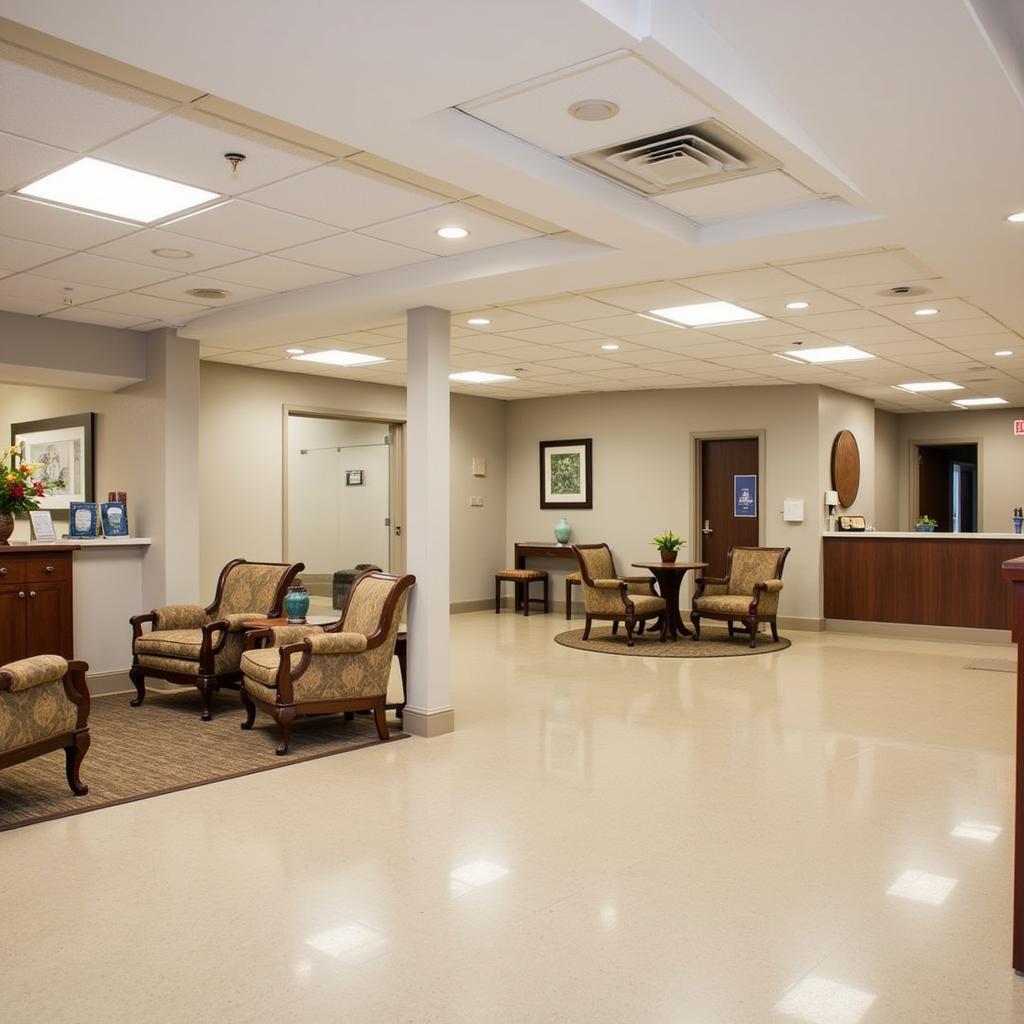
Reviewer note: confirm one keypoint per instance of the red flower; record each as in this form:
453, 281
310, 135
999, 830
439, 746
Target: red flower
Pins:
18, 491
40, 488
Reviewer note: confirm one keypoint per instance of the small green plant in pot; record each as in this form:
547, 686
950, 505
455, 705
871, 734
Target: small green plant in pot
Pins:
668, 544
925, 524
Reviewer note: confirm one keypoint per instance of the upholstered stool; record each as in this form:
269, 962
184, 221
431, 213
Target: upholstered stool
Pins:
572, 580
522, 578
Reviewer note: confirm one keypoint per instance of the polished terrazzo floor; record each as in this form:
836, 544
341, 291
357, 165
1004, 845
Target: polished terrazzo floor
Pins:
821, 835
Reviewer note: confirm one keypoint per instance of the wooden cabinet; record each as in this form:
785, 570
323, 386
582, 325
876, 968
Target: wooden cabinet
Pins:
36, 606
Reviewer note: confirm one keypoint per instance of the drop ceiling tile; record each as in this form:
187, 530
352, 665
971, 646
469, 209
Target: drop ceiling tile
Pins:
346, 196
949, 309
54, 103
30, 307
719, 349
876, 268
118, 275
846, 321
210, 350
275, 275
584, 363
247, 226
353, 254
676, 340
178, 290
135, 304
750, 361
632, 325
419, 230
561, 377
138, 248
589, 345
959, 328
916, 346
640, 298
243, 358
567, 308
17, 254
871, 335
52, 225
501, 319
628, 373
757, 283
47, 290
987, 342
820, 302
766, 328
554, 334
874, 295
738, 195
477, 360
22, 161
91, 315
650, 356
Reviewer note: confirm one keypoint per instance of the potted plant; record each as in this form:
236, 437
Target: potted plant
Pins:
18, 491
925, 525
668, 544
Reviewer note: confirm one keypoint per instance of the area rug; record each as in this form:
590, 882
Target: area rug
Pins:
714, 643
162, 747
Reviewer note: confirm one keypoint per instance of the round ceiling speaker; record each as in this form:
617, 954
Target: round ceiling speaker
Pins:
904, 290
593, 110
208, 293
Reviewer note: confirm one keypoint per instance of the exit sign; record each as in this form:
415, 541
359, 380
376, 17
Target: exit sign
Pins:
1018, 428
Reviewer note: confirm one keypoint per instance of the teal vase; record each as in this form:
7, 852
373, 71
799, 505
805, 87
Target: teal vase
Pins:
296, 603
563, 531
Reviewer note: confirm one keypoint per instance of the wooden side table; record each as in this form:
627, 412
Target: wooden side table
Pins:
670, 578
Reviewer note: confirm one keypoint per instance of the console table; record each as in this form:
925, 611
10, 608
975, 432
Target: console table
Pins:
538, 549
36, 607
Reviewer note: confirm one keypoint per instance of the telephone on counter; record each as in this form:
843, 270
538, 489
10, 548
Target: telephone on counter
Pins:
850, 524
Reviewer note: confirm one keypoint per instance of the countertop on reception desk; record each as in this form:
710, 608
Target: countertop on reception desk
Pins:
925, 579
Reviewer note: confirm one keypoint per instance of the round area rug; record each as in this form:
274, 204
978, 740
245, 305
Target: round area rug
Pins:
714, 643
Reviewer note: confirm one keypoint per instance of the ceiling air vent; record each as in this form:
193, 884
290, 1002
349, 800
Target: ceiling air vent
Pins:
698, 154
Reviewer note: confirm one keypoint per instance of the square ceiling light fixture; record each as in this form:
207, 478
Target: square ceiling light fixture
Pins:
831, 354
479, 377
335, 357
974, 403
706, 314
99, 187
928, 385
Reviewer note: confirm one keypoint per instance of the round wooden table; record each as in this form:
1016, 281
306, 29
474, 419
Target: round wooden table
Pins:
670, 578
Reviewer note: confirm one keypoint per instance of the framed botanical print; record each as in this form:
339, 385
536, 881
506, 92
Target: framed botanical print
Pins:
566, 474
61, 448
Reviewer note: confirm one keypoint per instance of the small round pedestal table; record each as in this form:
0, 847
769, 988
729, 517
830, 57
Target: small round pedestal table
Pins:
670, 578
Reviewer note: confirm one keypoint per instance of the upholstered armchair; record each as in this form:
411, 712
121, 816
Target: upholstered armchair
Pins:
608, 596
44, 706
309, 670
749, 591
202, 647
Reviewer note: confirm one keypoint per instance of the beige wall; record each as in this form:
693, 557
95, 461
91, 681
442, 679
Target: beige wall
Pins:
1000, 456
839, 411
887, 471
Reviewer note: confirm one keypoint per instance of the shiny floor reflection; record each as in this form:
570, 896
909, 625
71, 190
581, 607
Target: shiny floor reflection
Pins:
820, 835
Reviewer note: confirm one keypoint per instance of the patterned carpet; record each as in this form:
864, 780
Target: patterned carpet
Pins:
714, 643
161, 747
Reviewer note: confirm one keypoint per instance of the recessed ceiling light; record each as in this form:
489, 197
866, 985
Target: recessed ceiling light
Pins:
832, 354
1003, 352
610, 347
593, 110
295, 351
477, 321
335, 357
927, 311
95, 185
1016, 218
970, 403
929, 385
479, 377
707, 314
208, 293
173, 254
452, 232
797, 305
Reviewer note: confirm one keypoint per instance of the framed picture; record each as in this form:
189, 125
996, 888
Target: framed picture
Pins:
62, 448
566, 474
114, 517
84, 520
353, 478
42, 526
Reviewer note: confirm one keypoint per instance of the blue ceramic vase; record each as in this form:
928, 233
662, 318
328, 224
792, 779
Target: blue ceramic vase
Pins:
296, 603
563, 531
1017, 522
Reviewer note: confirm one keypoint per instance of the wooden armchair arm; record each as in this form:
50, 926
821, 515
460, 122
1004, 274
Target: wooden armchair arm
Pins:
137, 622
254, 636
215, 636
766, 587
77, 691
286, 676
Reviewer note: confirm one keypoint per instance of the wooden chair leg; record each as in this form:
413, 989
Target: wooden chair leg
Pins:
568, 600
586, 628
73, 757
497, 597
695, 620
380, 719
547, 602
615, 627
526, 598
207, 686
731, 626
775, 630
285, 717
752, 629
138, 678
630, 623
250, 708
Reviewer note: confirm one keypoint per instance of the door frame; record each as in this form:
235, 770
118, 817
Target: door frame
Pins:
396, 488
914, 495
696, 437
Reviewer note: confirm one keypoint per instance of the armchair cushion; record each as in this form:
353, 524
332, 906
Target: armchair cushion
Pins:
235, 620
647, 604
337, 643
174, 643
177, 650
725, 604
285, 635
262, 665
44, 668
709, 588
772, 586
36, 713
615, 584
180, 616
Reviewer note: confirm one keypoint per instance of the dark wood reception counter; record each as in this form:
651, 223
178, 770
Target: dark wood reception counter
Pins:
929, 579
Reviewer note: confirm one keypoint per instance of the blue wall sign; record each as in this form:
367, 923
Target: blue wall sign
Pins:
744, 498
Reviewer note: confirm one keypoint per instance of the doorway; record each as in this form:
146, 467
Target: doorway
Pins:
947, 485
729, 506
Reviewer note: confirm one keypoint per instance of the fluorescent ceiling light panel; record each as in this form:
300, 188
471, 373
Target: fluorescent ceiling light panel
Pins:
929, 385
970, 403
479, 377
95, 185
335, 357
832, 354
707, 314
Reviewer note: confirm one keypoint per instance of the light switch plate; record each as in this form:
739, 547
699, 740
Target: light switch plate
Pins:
476, 502
793, 510
479, 466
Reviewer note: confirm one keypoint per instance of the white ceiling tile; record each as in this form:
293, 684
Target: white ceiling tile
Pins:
738, 195
583, 363
48, 290
871, 335
564, 309
877, 268
52, 225
30, 307
644, 297
538, 111
138, 248
22, 161
915, 346
751, 329
874, 295
846, 321
651, 356
54, 103
631, 325
819, 302
594, 345
554, 334
419, 230
949, 309
745, 284
243, 358
275, 275
477, 361
353, 254
246, 226
91, 315
87, 268
959, 328
135, 304
501, 319
346, 196
987, 342
179, 287
17, 254
719, 349
190, 147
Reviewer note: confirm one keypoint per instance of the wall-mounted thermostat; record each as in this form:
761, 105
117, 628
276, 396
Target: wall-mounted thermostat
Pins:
793, 510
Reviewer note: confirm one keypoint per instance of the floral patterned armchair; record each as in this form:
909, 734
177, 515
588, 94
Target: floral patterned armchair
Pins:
315, 670
202, 647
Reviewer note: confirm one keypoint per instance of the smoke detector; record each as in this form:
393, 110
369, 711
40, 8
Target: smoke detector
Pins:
208, 293
593, 110
903, 290
234, 159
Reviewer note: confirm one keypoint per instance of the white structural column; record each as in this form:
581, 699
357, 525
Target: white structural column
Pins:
428, 710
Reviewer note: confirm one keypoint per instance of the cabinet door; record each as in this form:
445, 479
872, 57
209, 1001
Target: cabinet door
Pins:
12, 623
46, 624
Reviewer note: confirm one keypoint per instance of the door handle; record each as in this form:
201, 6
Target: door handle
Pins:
398, 531
707, 527
48, 568
21, 593
3, 570
31, 593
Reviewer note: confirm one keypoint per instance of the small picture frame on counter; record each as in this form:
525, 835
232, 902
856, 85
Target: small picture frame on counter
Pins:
42, 527
114, 517
83, 520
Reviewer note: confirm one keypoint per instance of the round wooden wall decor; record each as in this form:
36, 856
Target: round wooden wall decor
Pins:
845, 467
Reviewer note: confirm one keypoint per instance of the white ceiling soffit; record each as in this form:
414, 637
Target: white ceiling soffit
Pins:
47, 377
1001, 22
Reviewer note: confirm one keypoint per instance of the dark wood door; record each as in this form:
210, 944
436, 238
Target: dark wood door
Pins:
46, 625
12, 623
719, 528
933, 477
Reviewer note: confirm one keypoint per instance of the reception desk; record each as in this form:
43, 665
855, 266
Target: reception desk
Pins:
927, 579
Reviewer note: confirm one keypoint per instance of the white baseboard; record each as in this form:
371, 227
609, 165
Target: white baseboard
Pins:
801, 623
911, 631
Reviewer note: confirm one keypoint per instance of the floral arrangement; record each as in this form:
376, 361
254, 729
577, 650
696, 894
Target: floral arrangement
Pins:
18, 491
927, 521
